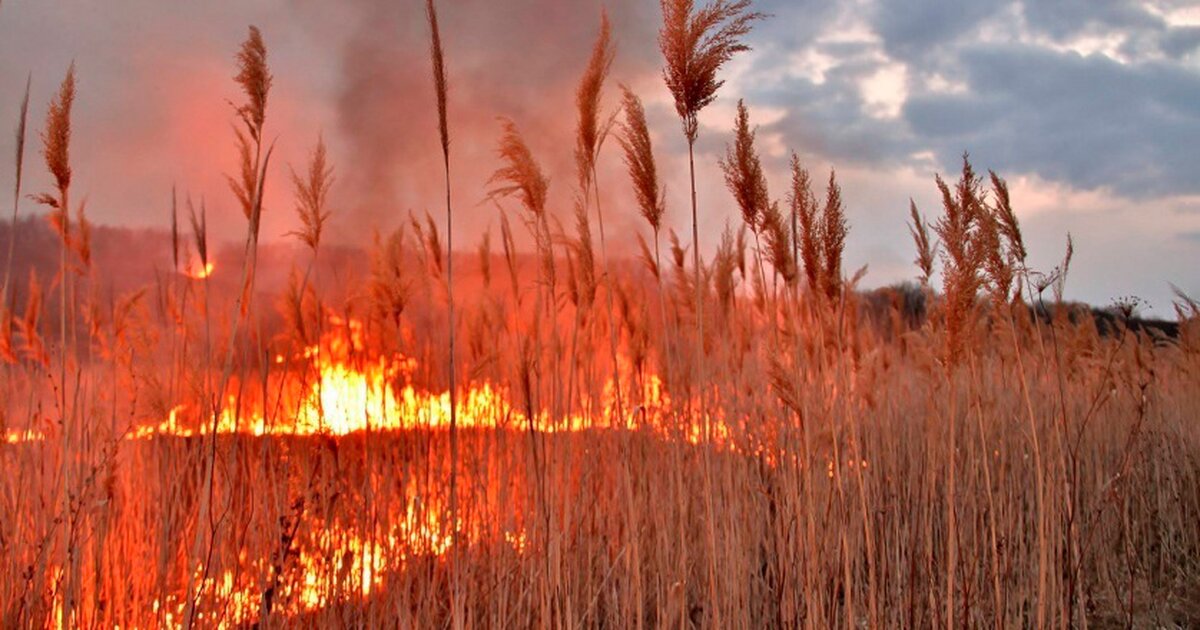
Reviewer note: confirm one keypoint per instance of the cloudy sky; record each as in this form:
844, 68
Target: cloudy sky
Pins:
1090, 108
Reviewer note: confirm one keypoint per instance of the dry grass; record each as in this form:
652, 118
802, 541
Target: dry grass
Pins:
181, 456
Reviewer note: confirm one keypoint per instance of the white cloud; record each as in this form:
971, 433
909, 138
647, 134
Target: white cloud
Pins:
885, 91
1174, 14
811, 64
938, 83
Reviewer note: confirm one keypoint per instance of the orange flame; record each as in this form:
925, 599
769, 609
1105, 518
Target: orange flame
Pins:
199, 271
338, 387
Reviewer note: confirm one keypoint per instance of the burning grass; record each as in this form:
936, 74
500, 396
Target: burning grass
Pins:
583, 440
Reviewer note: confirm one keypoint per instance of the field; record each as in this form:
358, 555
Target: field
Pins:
549, 436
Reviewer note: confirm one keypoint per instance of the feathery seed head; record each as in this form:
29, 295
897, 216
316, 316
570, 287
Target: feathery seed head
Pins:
743, 172
695, 44
255, 79
779, 242
312, 189
56, 138
804, 207
1008, 223
520, 176
439, 75
590, 133
639, 160
833, 231
925, 251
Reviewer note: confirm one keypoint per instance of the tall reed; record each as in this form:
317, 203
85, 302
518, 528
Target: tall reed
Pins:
439, 85
254, 78
695, 45
591, 132
748, 184
18, 163
648, 190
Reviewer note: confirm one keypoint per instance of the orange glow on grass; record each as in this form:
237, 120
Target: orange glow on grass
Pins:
199, 271
340, 386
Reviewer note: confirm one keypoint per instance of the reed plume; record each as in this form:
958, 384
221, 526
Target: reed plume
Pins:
573, 284
926, 251
56, 150
724, 266
439, 77
744, 173
297, 294
19, 162
683, 282
1187, 308
255, 79
7, 346
1060, 272
440, 88
56, 138
805, 212
312, 190
510, 255
591, 130
963, 232
1009, 226
585, 257
997, 267
962, 256
739, 250
695, 44
430, 242
243, 187
389, 285
745, 180
639, 161
520, 176
833, 232
779, 243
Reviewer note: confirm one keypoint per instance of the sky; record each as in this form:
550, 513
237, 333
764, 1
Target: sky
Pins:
1089, 108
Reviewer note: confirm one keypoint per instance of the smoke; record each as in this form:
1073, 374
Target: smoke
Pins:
156, 85
518, 60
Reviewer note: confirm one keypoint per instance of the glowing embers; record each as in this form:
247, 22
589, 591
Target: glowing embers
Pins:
332, 564
13, 436
197, 270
